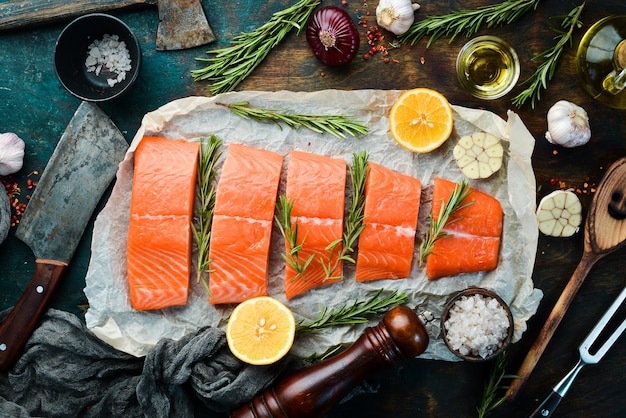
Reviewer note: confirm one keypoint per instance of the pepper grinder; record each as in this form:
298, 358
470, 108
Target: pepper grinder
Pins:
313, 391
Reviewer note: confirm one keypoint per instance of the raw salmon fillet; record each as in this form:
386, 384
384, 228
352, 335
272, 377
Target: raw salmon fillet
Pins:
242, 224
316, 185
159, 232
475, 240
387, 242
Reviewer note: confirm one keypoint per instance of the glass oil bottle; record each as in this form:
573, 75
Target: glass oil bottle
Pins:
601, 61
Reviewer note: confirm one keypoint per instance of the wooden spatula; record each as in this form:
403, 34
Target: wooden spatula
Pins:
605, 232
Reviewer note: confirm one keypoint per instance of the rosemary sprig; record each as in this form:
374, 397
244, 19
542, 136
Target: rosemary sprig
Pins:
358, 312
494, 386
354, 222
205, 204
228, 66
332, 351
290, 233
467, 22
335, 125
435, 230
545, 71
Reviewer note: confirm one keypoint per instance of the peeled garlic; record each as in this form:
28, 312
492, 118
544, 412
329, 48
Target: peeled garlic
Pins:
11, 154
559, 214
568, 125
396, 15
479, 155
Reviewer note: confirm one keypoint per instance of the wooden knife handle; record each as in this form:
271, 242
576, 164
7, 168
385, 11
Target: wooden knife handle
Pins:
24, 317
22, 13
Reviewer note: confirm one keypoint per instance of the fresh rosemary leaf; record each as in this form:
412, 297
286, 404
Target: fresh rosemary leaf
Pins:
205, 203
435, 230
290, 233
467, 22
230, 65
354, 222
318, 358
492, 397
545, 71
359, 312
335, 125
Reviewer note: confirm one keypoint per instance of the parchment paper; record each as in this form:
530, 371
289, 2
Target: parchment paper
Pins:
112, 319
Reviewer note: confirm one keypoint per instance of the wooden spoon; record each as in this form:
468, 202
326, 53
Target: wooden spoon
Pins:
605, 232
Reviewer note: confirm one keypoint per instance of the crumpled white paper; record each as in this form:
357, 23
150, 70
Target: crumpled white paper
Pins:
112, 319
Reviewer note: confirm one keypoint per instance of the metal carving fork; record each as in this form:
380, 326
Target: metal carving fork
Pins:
548, 406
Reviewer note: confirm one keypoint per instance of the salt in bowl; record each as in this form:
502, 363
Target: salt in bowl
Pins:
476, 324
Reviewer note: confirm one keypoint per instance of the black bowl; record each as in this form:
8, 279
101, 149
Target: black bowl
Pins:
71, 51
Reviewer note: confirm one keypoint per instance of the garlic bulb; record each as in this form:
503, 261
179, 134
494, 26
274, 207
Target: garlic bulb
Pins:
559, 214
11, 154
568, 125
478, 155
396, 15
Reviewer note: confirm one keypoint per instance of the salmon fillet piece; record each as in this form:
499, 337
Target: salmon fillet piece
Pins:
159, 232
475, 241
387, 242
242, 224
316, 186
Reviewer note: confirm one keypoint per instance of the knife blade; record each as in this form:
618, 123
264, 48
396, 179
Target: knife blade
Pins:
80, 169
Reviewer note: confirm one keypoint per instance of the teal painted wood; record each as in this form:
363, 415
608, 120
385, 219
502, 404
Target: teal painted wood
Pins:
34, 105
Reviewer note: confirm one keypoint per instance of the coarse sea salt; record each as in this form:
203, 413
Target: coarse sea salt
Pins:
110, 55
477, 325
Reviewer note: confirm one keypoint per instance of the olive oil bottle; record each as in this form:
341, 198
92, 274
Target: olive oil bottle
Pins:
601, 61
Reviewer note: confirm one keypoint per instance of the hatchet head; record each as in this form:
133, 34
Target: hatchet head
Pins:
182, 24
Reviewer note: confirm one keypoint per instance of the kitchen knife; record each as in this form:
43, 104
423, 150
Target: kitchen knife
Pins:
80, 169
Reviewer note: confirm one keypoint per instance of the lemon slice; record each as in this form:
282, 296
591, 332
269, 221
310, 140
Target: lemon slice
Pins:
421, 120
260, 330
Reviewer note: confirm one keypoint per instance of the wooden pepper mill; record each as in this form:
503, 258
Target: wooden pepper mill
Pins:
313, 391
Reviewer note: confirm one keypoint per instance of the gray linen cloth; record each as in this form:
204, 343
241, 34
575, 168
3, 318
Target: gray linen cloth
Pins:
66, 371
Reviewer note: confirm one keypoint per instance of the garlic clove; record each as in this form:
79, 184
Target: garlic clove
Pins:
568, 125
396, 16
11, 153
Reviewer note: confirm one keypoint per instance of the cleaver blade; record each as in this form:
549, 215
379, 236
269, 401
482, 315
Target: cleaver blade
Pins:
78, 173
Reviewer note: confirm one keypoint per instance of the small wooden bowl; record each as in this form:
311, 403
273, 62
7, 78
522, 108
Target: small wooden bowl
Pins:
445, 314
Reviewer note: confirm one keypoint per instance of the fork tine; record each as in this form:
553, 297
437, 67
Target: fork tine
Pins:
586, 356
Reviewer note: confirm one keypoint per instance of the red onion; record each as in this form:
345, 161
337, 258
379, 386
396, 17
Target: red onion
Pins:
333, 36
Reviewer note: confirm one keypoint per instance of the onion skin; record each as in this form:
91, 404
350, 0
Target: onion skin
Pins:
333, 36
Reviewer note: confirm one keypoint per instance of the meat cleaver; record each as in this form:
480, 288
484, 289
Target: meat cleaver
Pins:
79, 171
